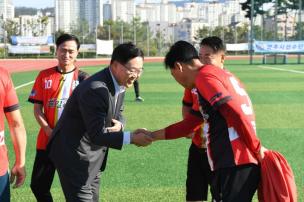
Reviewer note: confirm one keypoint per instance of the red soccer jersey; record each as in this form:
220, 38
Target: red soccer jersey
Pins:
52, 89
8, 103
190, 99
228, 116
226, 106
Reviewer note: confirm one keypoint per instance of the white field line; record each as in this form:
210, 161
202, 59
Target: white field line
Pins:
279, 69
263, 67
23, 85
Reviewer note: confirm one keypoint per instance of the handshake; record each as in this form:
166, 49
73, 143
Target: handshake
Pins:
142, 137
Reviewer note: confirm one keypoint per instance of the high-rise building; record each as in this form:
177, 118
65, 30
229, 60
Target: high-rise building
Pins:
10, 11
67, 14
157, 12
92, 12
123, 10
70, 13
234, 10
187, 28
3, 9
107, 11
6, 9
147, 12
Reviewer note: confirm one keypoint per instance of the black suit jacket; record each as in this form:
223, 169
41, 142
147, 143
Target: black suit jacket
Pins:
79, 143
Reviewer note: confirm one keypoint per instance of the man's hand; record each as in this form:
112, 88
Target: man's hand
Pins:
116, 127
48, 130
140, 137
17, 175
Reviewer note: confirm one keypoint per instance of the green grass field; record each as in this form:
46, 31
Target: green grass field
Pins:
158, 172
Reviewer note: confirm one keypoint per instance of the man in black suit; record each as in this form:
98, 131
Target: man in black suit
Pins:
92, 122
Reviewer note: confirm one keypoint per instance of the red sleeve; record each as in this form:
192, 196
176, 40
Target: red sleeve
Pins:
187, 99
11, 99
183, 128
36, 95
228, 102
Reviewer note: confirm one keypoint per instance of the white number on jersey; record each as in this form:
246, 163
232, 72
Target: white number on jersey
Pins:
246, 107
47, 84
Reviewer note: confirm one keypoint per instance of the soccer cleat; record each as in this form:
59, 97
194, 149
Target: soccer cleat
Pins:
139, 99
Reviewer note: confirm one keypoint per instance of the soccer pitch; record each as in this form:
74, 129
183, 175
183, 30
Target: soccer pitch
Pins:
158, 172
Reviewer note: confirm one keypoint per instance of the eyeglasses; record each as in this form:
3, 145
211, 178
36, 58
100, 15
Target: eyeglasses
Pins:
133, 70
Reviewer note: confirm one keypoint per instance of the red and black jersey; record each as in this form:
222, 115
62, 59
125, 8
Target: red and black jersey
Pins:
229, 118
8, 103
190, 99
227, 109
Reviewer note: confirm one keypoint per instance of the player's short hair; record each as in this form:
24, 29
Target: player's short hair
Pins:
67, 37
214, 42
125, 52
181, 51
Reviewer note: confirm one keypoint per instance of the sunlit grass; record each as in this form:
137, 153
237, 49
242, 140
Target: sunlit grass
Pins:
158, 172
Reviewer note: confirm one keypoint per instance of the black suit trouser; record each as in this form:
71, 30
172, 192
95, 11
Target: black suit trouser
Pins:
42, 177
74, 192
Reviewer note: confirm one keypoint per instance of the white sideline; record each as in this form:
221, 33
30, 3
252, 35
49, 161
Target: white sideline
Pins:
25, 84
279, 69
263, 67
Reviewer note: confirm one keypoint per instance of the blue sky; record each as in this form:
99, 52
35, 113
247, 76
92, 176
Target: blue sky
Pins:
46, 3
34, 3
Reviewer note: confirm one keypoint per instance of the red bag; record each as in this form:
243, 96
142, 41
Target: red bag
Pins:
277, 181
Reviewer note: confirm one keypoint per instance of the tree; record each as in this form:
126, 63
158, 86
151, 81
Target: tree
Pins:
104, 32
299, 33
258, 7
82, 31
242, 33
219, 31
11, 27
25, 11
33, 11
44, 20
59, 33
230, 35
202, 33
119, 31
282, 7
258, 10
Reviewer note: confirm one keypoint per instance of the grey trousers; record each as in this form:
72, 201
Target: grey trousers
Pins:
74, 192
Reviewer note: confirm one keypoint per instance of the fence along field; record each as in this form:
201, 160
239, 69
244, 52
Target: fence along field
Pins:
158, 172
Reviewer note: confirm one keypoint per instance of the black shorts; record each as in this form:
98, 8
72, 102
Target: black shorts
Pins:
198, 174
235, 184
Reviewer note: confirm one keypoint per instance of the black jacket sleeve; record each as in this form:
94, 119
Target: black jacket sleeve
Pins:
93, 104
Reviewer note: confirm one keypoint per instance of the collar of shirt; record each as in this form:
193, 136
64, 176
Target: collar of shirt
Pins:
118, 89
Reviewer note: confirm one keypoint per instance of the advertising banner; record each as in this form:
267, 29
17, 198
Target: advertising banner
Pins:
104, 47
237, 47
87, 48
278, 46
29, 50
31, 40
